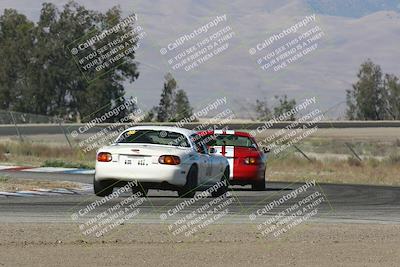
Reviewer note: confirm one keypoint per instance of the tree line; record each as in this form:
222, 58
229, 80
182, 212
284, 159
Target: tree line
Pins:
374, 96
38, 74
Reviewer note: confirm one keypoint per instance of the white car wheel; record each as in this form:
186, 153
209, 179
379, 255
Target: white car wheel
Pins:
102, 188
189, 189
222, 190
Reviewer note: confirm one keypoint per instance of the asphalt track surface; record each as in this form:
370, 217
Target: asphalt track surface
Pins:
342, 203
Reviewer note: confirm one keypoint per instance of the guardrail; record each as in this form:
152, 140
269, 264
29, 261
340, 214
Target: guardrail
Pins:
35, 129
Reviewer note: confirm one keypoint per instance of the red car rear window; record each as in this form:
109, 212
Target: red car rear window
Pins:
231, 140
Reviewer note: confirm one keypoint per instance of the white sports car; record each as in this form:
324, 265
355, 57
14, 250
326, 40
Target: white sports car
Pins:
158, 157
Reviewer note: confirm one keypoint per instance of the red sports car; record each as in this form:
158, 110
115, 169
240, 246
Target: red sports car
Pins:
247, 161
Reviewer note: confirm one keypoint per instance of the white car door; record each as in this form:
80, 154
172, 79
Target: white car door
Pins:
204, 162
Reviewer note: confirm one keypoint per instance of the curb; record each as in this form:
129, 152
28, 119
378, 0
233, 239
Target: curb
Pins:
84, 190
47, 169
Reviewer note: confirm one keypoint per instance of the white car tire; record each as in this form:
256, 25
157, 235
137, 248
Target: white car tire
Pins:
102, 188
258, 186
189, 189
222, 190
141, 189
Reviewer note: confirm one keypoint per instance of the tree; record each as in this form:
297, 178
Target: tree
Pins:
16, 45
285, 105
265, 114
367, 98
262, 110
39, 74
150, 115
166, 109
183, 108
392, 86
173, 106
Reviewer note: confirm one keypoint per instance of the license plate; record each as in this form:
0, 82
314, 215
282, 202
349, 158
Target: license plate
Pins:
135, 161
141, 162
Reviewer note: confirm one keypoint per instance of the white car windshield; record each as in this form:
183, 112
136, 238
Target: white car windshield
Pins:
154, 137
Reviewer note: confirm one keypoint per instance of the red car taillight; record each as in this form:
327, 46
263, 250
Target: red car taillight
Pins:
251, 161
169, 160
104, 157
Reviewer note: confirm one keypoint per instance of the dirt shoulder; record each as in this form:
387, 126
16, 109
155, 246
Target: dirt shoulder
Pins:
15, 184
217, 245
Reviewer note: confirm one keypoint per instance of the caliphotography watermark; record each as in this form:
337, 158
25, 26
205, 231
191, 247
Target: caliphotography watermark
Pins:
211, 116
302, 127
218, 121
190, 50
192, 215
292, 209
101, 51
106, 126
202, 112
280, 50
105, 214
208, 122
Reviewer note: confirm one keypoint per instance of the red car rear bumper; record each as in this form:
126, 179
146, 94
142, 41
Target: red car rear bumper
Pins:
247, 174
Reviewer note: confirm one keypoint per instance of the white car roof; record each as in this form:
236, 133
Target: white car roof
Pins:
183, 131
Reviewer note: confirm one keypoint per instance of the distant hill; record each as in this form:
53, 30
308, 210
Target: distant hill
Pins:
352, 8
354, 31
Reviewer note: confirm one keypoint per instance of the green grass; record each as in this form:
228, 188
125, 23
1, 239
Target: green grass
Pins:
64, 164
4, 179
34, 154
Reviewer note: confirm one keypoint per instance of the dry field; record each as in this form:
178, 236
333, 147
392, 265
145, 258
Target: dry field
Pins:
24, 244
12, 184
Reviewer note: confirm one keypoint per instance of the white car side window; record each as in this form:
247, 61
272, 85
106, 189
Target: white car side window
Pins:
198, 144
